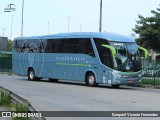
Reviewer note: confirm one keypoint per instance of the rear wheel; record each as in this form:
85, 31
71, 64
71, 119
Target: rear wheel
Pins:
31, 75
91, 80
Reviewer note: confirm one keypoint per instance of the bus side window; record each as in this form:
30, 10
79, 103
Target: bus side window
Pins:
19, 45
15, 47
23, 47
89, 48
41, 46
104, 53
106, 57
72, 45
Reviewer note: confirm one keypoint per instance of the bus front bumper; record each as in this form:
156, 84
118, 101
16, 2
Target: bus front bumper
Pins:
126, 79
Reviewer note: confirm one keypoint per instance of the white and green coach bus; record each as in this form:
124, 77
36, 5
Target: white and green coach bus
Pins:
93, 58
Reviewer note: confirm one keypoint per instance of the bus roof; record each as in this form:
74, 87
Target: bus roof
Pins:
104, 35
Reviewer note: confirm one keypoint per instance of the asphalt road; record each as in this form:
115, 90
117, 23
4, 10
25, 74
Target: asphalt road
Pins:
67, 96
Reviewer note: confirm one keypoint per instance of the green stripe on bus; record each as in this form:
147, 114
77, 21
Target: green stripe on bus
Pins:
68, 64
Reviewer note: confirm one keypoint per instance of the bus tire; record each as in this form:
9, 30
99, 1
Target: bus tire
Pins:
91, 80
31, 75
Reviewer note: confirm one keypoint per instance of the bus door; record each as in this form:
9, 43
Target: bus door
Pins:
106, 55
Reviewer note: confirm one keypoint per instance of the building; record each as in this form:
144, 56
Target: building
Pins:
3, 43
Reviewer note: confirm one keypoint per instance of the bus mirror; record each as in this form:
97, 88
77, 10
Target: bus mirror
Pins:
111, 48
144, 50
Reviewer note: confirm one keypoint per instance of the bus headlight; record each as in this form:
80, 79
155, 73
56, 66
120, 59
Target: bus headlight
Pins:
140, 75
117, 74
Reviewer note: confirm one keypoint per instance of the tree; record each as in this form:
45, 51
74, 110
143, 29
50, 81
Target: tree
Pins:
149, 31
9, 45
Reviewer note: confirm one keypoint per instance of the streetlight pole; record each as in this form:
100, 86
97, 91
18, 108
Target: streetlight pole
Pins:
10, 8
68, 23
3, 29
11, 26
81, 28
22, 18
100, 20
48, 28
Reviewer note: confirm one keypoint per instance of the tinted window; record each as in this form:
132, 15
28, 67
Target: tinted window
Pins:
33, 46
42, 45
18, 45
53, 46
104, 53
73, 45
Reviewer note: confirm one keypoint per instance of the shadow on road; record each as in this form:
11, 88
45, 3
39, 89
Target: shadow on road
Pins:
79, 84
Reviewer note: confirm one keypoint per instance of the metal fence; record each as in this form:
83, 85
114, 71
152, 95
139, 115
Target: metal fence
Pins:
151, 72
5, 64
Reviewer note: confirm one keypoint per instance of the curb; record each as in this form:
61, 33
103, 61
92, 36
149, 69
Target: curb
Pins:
148, 86
17, 99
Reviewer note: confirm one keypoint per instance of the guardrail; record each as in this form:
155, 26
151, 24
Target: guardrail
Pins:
17, 99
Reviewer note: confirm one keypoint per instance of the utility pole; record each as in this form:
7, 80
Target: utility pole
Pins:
48, 28
100, 20
3, 29
81, 28
11, 26
10, 8
22, 18
68, 22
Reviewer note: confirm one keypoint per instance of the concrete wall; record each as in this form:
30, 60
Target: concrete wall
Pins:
3, 43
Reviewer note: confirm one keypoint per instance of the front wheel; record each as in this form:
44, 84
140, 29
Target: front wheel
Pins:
31, 75
91, 80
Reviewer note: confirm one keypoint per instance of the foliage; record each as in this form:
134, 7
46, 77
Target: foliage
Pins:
149, 31
5, 99
21, 108
9, 45
150, 81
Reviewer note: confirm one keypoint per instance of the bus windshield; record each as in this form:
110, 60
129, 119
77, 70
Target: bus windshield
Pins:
127, 57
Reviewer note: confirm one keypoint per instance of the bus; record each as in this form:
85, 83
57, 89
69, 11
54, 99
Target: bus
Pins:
94, 58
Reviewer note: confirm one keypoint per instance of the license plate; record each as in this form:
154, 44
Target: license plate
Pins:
130, 81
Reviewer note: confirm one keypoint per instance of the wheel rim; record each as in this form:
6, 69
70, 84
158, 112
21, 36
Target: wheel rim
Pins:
31, 75
91, 80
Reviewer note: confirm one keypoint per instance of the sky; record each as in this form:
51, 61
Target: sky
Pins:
42, 17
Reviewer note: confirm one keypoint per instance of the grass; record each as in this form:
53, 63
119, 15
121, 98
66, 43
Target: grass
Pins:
150, 81
5, 101
10, 73
21, 108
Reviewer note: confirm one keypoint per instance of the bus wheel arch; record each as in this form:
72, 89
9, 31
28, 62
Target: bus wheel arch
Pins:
90, 79
31, 74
